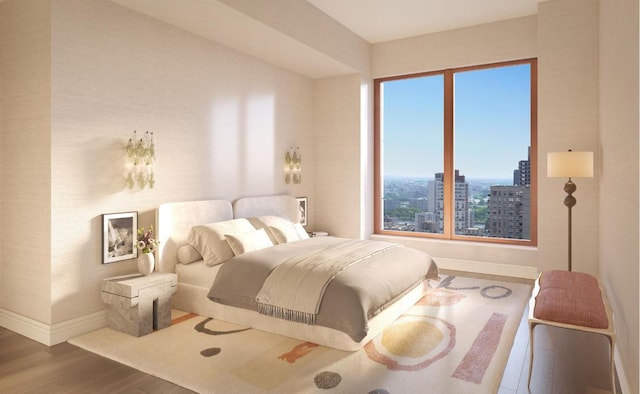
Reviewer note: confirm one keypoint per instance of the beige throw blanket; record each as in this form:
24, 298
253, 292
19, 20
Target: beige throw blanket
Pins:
294, 289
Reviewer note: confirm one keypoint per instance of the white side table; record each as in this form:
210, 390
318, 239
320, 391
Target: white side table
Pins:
138, 304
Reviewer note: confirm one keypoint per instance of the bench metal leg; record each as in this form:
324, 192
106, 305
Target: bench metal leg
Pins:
613, 371
531, 336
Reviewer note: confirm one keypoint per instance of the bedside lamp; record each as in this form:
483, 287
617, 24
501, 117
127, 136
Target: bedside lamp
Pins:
570, 165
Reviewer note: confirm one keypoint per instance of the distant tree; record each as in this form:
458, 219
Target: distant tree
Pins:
403, 213
480, 213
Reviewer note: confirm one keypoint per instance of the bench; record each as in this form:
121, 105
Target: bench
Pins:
572, 300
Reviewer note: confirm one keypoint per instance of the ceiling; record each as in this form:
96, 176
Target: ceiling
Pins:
373, 20
385, 20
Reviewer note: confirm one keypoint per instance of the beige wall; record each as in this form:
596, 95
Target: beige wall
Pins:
567, 119
618, 171
337, 148
342, 143
493, 42
223, 121
25, 137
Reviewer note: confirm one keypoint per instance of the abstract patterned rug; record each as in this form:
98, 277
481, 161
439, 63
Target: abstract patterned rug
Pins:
456, 339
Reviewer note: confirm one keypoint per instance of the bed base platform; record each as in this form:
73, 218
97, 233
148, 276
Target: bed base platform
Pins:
194, 299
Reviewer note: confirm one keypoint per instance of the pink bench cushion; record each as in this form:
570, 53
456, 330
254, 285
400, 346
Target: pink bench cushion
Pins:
571, 298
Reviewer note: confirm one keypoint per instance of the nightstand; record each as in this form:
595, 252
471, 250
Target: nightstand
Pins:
139, 304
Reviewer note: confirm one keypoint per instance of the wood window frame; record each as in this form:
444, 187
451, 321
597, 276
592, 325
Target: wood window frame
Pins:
449, 233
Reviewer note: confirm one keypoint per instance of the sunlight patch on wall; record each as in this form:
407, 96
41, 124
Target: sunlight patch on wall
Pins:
223, 145
240, 144
258, 142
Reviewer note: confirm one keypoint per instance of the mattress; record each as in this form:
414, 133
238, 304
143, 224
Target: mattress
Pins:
197, 274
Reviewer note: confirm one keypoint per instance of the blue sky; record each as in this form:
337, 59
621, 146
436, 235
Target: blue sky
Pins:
491, 123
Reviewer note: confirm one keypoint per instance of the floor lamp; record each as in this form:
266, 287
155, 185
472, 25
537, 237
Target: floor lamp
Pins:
570, 165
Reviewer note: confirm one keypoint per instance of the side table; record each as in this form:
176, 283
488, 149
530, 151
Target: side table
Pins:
139, 304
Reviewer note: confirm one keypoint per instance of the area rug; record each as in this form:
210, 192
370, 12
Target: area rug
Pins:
456, 339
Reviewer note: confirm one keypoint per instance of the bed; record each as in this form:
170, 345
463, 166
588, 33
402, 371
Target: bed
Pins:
175, 230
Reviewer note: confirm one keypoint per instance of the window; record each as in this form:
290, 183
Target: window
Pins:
454, 153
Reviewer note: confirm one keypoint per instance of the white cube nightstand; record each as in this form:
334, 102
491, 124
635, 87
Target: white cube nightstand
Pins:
138, 304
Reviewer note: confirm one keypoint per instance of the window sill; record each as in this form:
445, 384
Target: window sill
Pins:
482, 257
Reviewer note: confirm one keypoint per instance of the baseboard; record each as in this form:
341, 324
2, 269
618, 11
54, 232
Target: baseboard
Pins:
482, 267
52, 334
62, 332
25, 326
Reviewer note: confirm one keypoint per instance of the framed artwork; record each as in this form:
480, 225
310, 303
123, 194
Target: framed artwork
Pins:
303, 208
119, 236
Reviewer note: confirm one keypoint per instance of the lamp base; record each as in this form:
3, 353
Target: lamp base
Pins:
570, 188
569, 202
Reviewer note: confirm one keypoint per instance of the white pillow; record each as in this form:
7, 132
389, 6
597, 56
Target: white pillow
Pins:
301, 231
187, 254
285, 234
290, 233
209, 239
248, 242
279, 230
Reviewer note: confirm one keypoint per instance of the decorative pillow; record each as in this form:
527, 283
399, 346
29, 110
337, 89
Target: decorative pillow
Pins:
248, 242
269, 222
187, 254
209, 239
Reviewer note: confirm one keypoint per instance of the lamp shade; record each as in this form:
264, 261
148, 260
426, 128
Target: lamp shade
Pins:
570, 164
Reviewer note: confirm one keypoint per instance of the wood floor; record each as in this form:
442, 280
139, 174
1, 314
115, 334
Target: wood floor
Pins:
27, 366
565, 361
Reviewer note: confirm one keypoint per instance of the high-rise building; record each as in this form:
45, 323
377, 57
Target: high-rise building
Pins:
522, 176
435, 205
426, 222
461, 203
510, 206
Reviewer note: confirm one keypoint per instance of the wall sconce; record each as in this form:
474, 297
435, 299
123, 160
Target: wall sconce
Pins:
293, 166
141, 159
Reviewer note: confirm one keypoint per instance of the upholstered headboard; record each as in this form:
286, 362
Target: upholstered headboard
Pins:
284, 206
174, 221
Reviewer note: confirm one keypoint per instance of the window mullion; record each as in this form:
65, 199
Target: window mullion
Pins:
449, 183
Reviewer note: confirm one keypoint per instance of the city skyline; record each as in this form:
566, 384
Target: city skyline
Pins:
490, 208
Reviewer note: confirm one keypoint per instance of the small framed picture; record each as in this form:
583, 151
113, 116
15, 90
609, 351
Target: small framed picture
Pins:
303, 208
119, 239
